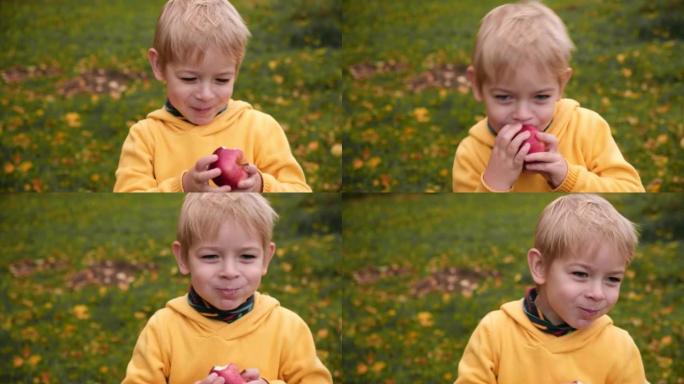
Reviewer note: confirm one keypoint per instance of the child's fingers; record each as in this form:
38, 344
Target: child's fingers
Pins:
250, 374
550, 140
204, 162
251, 169
508, 131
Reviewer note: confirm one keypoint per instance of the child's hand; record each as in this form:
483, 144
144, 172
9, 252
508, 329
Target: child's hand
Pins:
253, 182
196, 179
508, 157
549, 164
211, 379
252, 376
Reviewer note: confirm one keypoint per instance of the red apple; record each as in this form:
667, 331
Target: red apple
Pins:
229, 163
230, 373
533, 141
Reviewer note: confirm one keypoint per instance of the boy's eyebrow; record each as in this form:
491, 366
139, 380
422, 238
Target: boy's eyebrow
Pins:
543, 90
620, 271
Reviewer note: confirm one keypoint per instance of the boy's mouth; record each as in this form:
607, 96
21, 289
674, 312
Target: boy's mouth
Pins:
588, 313
229, 292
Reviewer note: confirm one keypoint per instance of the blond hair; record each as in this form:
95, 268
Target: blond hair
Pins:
203, 214
512, 35
582, 220
187, 28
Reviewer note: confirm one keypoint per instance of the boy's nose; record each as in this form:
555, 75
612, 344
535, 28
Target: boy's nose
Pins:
595, 290
522, 112
203, 92
229, 268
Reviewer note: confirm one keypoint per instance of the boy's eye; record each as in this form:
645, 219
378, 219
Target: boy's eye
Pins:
615, 280
542, 97
502, 97
209, 257
223, 81
188, 78
580, 274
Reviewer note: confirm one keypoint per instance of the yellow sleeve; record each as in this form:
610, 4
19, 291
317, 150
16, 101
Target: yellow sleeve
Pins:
136, 168
631, 370
468, 168
479, 362
279, 169
300, 364
604, 169
147, 364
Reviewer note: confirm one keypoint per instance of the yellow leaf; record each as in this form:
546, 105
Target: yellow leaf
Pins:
17, 362
278, 79
73, 119
81, 312
665, 341
313, 145
662, 138
287, 267
25, 166
421, 114
34, 360
374, 162
9, 167
357, 164
626, 72
322, 333
336, 150
272, 64
425, 319
621, 58
378, 366
361, 368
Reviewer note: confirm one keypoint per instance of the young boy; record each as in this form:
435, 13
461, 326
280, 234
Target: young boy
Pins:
198, 48
224, 244
559, 332
520, 69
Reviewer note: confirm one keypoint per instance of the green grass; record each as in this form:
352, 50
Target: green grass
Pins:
291, 71
627, 67
54, 329
396, 330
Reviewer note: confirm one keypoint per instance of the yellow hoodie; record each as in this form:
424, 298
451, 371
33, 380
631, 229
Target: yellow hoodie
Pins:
160, 148
595, 163
506, 348
179, 345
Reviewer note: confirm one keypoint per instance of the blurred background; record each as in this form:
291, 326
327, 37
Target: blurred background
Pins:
424, 269
81, 274
74, 77
408, 104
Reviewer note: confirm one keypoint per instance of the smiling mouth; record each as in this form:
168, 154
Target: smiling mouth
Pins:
589, 312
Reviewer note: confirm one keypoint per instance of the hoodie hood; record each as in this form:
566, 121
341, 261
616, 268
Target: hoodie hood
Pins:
264, 306
233, 112
554, 344
561, 118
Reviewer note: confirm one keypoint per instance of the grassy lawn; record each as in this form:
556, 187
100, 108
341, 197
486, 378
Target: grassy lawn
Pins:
408, 107
81, 274
426, 268
75, 77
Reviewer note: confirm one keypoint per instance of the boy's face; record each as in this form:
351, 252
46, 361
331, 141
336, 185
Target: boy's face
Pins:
227, 270
527, 97
578, 289
198, 90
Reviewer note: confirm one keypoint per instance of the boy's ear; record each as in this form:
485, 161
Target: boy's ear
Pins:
268, 256
565, 78
470, 75
537, 267
153, 58
178, 253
